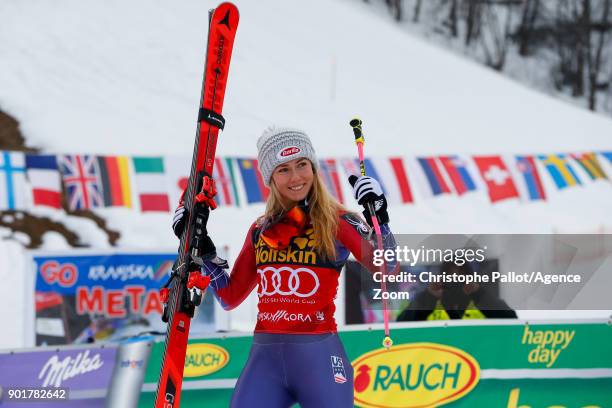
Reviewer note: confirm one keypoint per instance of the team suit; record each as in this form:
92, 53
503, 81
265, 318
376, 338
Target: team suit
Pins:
296, 354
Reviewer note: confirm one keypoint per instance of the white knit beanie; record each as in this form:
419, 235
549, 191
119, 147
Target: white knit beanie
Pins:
278, 145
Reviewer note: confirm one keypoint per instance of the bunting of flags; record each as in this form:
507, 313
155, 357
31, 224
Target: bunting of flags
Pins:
155, 184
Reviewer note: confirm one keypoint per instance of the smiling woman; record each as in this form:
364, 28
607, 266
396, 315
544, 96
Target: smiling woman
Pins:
294, 254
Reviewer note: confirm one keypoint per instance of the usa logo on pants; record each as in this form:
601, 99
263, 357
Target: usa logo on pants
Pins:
338, 369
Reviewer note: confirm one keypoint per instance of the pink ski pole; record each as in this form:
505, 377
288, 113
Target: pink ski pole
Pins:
360, 141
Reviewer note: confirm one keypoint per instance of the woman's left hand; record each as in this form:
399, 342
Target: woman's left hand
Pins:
368, 190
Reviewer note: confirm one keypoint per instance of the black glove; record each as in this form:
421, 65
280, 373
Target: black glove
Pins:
367, 190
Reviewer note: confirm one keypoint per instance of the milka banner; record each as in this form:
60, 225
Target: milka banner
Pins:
98, 296
81, 374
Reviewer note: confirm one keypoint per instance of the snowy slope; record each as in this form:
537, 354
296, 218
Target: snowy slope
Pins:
113, 76
116, 77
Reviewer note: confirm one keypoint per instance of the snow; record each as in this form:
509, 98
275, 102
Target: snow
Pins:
123, 78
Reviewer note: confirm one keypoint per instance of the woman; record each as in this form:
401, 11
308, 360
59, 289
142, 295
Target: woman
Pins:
294, 254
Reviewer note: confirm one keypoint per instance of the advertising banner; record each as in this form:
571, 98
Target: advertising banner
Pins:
101, 296
457, 364
83, 374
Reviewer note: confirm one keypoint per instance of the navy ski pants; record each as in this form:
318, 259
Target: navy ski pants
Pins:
283, 369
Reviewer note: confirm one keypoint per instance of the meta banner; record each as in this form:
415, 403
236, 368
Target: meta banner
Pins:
85, 297
73, 377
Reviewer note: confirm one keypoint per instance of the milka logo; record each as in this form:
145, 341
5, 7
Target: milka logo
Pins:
56, 371
288, 151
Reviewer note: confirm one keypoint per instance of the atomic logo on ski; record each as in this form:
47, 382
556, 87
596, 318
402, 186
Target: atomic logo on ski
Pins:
225, 20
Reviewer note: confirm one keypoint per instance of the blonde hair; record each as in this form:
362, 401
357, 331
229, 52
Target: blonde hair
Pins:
323, 214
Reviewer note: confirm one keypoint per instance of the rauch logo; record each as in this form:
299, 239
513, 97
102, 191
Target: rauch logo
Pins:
415, 375
203, 359
289, 151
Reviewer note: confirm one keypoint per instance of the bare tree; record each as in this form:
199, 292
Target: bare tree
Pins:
417, 11
495, 39
595, 47
531, 9
473, 20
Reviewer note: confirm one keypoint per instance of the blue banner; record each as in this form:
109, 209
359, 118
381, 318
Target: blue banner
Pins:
93, 297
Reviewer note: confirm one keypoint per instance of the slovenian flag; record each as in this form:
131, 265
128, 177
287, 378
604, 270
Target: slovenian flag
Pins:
561, 172
526, 165
434, 176
43, 174
254, 186
12, 181
150, 183
115, 177
457, 171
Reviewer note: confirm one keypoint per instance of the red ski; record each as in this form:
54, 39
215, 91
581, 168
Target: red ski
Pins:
180, 300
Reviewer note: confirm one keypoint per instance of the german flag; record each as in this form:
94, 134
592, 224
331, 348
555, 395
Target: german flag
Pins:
115, 181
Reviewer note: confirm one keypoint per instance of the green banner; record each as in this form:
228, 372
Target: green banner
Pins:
458, 365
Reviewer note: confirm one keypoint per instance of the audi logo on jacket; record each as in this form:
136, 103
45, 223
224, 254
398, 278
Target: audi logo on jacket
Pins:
296, 287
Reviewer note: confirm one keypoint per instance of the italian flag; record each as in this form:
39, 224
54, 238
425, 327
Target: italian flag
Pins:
150, 183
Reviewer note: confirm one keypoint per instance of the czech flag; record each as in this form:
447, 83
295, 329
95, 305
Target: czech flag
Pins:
253, 182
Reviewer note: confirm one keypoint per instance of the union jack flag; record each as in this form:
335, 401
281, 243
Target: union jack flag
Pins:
81, 177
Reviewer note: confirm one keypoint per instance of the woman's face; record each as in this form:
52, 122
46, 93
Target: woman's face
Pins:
294, 179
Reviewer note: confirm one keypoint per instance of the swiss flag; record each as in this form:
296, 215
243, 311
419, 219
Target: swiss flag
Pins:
498, 178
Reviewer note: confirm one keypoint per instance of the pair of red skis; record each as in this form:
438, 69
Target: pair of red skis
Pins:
182, 293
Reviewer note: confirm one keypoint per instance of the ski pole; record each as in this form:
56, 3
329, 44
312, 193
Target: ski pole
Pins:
360, 141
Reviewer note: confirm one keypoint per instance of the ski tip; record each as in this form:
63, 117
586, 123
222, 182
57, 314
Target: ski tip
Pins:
226, 15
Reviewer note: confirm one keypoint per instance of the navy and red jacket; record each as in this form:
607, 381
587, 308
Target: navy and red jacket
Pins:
296, 286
